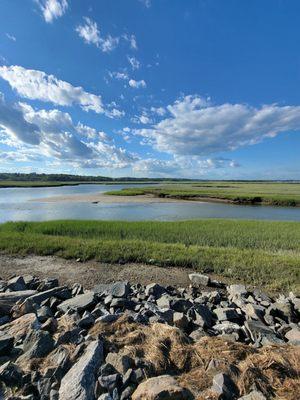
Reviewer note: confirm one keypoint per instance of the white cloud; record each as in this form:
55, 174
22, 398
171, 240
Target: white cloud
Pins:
37, 85
159, 111
197, 127
119, 75
12, 123
135, 64
90, 33
181, 166
131, 39
137, 84
51, 134
11, 37
52, 9
147, 3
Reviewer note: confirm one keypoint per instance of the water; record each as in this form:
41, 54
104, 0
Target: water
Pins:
16, 205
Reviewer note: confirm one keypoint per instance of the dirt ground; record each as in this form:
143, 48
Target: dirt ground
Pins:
90, 273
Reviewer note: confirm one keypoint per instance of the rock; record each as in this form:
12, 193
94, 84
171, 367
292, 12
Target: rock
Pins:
197, 334
37, 344
9, 299
102, 288
119, 289
19, 327
163, 387
254, 395
62, 292
181, 305
293, 336
79, 381
237, 290
260, 332
201, 315
6, 344
282, 309
44, 313
227, 327
155, 290
110, 382
199, 280
105, 396
16, 284
10, 374
164, 301
224, 386
120, 362
78, 303
180, 321
46, 284
226, 314
254, 311
126, 394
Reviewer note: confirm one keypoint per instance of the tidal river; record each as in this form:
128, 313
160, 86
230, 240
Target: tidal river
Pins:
39, 204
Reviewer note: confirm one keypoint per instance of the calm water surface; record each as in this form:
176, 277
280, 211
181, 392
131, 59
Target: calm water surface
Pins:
16, 205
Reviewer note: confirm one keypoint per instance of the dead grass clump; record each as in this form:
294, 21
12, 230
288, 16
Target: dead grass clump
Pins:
273, 370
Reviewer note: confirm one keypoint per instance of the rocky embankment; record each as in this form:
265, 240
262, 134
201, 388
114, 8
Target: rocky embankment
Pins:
122, 341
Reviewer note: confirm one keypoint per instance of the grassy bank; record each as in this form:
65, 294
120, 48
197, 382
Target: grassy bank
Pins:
266, 193
259, 253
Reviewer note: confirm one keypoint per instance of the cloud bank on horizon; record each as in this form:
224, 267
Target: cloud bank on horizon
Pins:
109, 106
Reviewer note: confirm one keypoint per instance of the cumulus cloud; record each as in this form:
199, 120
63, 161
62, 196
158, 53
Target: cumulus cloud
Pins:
137, 84
147, 3
52, 9
135, 64
119, 75
197, 127
51, 134
12, 122
90, 33
37, 85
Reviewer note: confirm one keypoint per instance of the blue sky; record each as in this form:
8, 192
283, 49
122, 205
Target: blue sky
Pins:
196, 88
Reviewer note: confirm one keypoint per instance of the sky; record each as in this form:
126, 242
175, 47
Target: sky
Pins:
205, 89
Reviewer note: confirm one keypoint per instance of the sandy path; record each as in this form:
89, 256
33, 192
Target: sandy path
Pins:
90, 273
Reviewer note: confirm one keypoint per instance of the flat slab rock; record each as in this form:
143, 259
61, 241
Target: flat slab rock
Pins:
79, 303
9, 299
79, 381
163, 387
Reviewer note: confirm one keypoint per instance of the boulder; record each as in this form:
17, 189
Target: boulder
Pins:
10, 374
237, 290
226, 314
37, 344
19, 327
78, 303
198, 280
224, 386
163, 387
16, 284
293, 336
254, 395
9, 299
260, 332
155, 290
79, 381
120, 362
119, 289
180, 321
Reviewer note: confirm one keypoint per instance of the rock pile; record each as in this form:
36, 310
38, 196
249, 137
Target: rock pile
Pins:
66, 343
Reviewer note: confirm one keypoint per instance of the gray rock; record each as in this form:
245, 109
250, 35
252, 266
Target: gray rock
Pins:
120, 362
108, 318
6, 344
110, 382
105, 396
262, 333
37, 344
155, 290
181, 305
198, 334
293, 336
44, 313
201, 315
227, 327
226, 314
163, 302
10, 374
9, 299
78, 303
224, 386
48, 283
198, 280
16, 284
161, 388
126, 394
59, 292
237, 290
254, 395
119, 289
180, 321
79, 381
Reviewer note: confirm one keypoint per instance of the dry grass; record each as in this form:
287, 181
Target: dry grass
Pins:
274, 370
